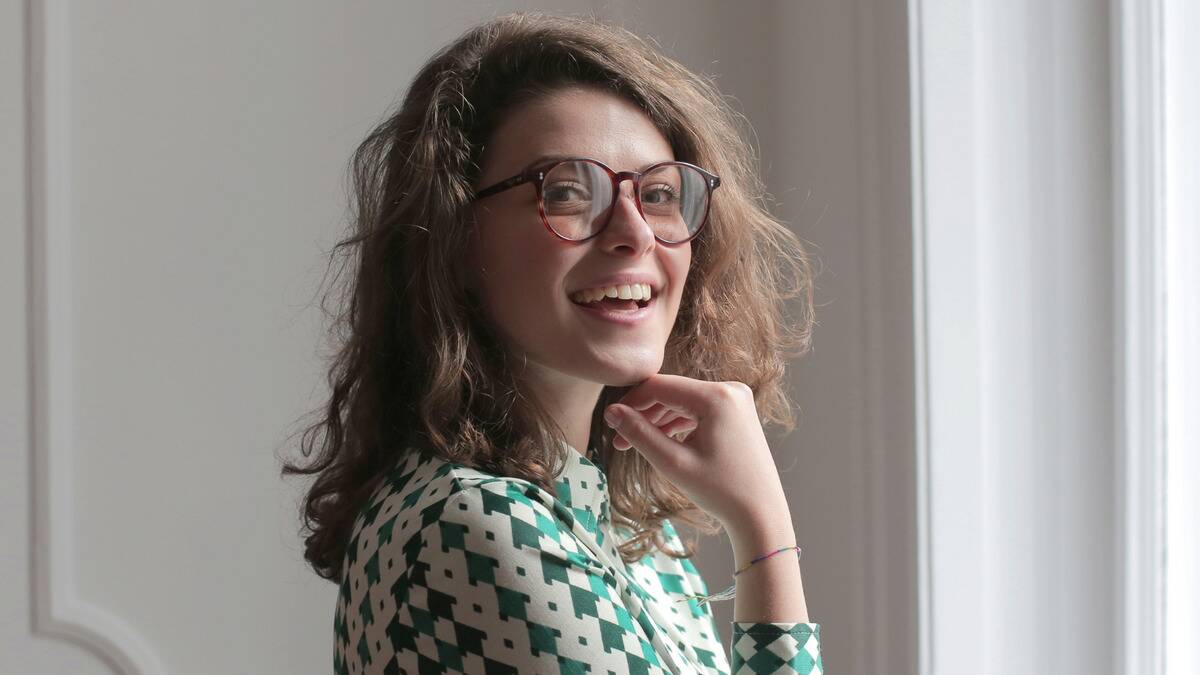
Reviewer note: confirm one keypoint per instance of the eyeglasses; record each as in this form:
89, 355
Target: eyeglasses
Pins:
576, 195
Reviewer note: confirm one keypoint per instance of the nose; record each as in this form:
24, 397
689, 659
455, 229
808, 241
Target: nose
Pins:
626, 226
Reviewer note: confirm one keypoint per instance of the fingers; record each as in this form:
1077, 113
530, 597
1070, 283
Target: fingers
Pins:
678, 427
637, 431
684, 395
670, 422
665, 417
659, 413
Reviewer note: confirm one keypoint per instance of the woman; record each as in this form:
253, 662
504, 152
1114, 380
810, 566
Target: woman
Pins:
560, 254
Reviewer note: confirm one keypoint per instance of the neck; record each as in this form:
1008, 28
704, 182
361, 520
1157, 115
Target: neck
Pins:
571, 402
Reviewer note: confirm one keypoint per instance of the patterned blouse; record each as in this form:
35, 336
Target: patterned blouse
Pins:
454, 570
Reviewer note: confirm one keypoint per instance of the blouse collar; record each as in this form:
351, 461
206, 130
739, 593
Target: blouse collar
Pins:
583, 487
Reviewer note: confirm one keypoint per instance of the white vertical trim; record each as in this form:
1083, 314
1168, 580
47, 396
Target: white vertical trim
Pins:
952, 517
58, 611
1138, 193
925, 661
1181, 223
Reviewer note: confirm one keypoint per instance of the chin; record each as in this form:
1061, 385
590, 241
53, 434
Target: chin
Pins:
627, 375
612, 367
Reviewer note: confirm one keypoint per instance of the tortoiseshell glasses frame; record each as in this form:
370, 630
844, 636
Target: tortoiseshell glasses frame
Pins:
537, 176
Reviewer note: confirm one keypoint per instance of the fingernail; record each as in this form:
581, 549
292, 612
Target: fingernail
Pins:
612, 416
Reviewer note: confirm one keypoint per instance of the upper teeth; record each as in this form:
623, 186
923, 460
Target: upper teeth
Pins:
624, 292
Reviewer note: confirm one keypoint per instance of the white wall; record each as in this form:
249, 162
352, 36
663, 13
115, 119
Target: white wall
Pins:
171, 178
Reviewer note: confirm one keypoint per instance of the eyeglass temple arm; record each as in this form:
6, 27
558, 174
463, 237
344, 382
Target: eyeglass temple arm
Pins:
504, 185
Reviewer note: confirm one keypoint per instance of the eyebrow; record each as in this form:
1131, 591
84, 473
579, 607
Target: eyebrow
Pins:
543, 159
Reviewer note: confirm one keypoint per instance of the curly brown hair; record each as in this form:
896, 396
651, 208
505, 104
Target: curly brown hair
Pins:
415, 367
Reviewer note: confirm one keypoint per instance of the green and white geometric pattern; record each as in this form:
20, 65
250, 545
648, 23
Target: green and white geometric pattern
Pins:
452, 570
777, 647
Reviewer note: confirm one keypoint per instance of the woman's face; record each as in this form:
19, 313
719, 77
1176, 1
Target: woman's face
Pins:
524, 275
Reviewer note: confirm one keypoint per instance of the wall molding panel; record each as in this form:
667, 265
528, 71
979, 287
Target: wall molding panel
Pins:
59, 611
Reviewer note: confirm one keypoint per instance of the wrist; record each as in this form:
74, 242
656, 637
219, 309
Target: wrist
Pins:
756, 536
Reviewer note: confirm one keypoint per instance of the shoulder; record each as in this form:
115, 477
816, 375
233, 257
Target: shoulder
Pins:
424, 492
453, 563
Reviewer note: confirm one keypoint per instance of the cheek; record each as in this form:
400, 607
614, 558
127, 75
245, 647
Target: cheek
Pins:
519, 282
495, 253
680, 265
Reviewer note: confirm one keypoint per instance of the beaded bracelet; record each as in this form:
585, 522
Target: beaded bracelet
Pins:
730, 592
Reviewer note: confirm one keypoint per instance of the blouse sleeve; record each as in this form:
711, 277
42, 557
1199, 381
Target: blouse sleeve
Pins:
495, 586
776, 648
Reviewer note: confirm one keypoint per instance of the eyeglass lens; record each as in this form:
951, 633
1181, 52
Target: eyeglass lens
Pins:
577, 194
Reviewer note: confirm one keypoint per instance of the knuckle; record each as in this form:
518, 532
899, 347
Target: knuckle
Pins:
720, 396
733, 391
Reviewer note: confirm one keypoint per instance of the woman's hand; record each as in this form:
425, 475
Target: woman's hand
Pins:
706, 438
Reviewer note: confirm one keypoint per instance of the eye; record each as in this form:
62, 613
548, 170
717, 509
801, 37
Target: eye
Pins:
565, 193
660, 194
